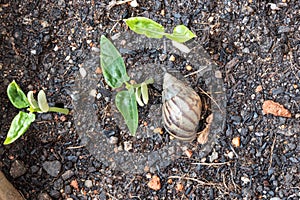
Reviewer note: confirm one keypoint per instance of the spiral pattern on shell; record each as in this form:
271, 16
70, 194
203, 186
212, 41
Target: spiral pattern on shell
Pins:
181, 108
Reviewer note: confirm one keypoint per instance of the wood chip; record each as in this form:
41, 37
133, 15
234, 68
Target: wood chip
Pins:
154, 183
274, 108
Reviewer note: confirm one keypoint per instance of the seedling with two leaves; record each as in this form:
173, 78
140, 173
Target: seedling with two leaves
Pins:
115, 75
114, 70
22, 120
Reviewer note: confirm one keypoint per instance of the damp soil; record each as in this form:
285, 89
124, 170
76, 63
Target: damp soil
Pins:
255, 44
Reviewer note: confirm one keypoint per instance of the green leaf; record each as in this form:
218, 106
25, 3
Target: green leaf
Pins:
19, 126
126, 104
144, 90
138, 96
42, 101
33, 103
112, 64
181, 34
17, 96
148, 27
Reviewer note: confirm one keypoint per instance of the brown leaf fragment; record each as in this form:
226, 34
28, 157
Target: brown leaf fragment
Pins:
203, 135
154, 183
274, 108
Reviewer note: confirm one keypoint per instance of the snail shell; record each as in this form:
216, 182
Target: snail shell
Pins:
181, 108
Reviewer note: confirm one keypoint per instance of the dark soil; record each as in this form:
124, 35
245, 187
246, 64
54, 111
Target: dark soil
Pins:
256, 45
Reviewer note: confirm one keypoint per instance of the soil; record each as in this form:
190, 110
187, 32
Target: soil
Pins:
50, 45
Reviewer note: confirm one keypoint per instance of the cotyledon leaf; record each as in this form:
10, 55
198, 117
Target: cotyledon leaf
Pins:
33, 103
42, 101
181, 34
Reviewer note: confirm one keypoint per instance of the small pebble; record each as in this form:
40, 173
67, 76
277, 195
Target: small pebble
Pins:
172, 58
88, 183
154, 183
127, 145
236, 141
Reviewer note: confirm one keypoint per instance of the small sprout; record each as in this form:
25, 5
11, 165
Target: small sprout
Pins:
115, 75
152, 29
22, 121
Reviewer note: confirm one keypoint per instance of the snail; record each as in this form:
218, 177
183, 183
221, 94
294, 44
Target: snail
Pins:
181, 110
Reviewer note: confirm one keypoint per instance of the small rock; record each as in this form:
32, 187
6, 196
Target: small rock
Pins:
214, 156
68, 174
236, 141
230, 155
74, 184
189, 67
258, 89
218, 74
88, 183
44, 196
127, 145
113, 140
172, 58
275, 198
179, 187
17, 169
154, 183
52, 167
245, 180
82, 72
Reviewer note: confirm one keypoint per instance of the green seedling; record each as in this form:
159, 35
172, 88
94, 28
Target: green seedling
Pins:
152, 29
115, 75
22, 120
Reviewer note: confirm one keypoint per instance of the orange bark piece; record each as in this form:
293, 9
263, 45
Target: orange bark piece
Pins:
154, 183
274, 108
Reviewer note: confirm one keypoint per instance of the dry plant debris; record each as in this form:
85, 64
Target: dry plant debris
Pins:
274, 108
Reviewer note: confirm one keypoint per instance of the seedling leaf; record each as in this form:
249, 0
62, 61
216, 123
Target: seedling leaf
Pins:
126, 104
144, 90
17, 96
181, 34
33, 103
138, 96
148, 27
112, 64
42, 101
18, 127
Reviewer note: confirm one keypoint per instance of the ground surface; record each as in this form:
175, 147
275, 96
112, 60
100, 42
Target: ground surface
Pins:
256, 45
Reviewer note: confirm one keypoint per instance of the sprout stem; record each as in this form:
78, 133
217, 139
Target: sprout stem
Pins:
59, 110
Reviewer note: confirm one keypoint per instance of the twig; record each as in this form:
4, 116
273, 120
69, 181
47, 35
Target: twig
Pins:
195, 72
271, 156
111, 196
196, 180
224, 182
76, 147
211, 164
211, 99
129, 183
